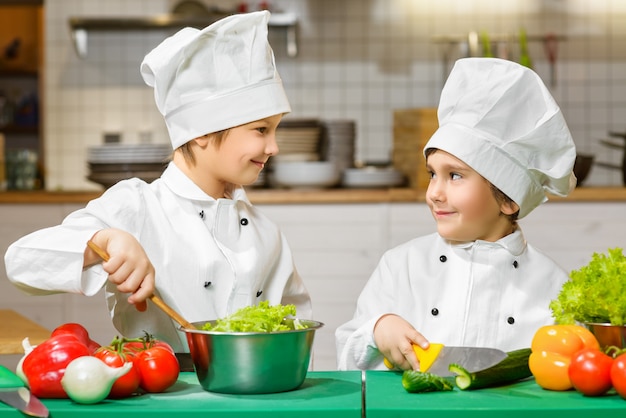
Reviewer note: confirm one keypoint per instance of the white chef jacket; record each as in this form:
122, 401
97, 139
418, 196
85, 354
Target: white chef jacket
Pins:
489, 294
211, 257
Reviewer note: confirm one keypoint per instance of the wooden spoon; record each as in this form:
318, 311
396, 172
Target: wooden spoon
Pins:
154, 298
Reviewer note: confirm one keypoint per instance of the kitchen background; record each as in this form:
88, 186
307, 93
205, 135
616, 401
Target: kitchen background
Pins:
357, 60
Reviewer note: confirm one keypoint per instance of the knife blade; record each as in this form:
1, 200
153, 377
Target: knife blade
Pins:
15, 394
438, 358
472, 359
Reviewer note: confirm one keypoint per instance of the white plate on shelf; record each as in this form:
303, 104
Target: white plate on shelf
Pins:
305, 174
372, 177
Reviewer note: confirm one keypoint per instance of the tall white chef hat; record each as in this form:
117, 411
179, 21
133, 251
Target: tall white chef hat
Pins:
499, 118
216, 78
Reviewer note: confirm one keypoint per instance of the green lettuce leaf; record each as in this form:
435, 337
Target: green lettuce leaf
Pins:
258, 318
595, 293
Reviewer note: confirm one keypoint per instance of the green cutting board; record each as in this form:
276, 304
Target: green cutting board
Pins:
385, 397
323, 394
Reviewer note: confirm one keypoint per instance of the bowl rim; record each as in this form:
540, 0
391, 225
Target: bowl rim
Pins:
312, 326
604, 324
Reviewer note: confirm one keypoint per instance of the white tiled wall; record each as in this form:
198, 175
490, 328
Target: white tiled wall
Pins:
336, 248
359, 59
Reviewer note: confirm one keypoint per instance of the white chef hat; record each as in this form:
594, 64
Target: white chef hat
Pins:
499, 118
216, 78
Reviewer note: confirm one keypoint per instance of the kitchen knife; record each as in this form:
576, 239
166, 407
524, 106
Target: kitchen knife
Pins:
13, 393
438, 358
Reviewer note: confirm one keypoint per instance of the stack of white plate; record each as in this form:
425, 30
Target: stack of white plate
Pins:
372, 177
110, 163
338, 143
300, 137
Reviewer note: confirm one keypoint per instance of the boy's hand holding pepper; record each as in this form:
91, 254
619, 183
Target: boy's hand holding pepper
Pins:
395, 337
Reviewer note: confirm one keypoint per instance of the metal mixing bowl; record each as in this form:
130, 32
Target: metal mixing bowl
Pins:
608, 335
251, 362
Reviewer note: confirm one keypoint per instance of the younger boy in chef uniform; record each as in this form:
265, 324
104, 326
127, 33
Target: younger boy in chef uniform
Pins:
502, 143
192, 235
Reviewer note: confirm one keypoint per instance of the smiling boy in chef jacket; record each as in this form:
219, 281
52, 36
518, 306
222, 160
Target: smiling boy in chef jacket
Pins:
191, 236
502, 143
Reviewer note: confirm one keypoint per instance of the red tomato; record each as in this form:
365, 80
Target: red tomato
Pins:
618, 375
590, 372
127, 384
145, 343
162, 344
158, 369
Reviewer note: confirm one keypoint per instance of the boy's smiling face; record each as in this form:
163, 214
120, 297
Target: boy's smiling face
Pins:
462, 202
237, 159
244, 151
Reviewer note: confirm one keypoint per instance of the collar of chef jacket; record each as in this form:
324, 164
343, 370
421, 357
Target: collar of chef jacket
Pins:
513, 243
182, 185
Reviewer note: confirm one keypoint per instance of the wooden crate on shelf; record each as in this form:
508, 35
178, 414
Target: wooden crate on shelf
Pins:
412, 128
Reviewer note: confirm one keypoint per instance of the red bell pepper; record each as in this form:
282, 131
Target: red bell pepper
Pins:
45, 365
80, 332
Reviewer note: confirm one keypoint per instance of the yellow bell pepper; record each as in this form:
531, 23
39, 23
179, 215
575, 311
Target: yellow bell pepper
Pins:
426, 357
552, 349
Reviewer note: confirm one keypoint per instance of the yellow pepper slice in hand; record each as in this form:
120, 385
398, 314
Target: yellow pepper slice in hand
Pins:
426, 357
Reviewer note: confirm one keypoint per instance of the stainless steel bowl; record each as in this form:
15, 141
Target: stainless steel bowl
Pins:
608, 335
251, 362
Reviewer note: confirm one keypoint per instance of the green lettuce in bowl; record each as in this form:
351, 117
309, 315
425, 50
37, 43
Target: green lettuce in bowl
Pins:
258, 318
596, 293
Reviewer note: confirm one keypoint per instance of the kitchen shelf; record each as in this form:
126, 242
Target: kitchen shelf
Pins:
81, 25
499, 37
18, 73
321, 196
20, 129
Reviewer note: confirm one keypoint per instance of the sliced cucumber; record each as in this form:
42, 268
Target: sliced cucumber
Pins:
415, 381
511, 369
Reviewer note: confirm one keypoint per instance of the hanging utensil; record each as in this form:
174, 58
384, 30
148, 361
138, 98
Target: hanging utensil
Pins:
484, 36
612, 144
503, 47
154, 298
550, 44
472, 43
524, 58
447, 49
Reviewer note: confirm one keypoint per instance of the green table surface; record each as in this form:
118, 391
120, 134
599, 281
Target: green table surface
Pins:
323, 394
385, 397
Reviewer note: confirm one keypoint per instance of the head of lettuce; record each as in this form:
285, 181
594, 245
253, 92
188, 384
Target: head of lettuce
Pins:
595, 293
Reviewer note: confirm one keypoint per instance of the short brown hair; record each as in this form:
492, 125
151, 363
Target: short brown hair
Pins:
218, 138
501, 198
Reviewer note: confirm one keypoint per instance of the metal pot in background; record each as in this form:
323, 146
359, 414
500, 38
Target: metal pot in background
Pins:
618, 146
608, 335
582, 167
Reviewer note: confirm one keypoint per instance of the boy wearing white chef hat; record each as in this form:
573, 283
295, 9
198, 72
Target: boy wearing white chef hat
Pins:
501, 145
192, 235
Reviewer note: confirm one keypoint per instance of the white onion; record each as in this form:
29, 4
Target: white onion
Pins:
19, 371
89, 380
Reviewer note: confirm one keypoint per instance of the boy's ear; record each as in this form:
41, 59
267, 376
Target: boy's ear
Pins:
509, 208
202, 141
